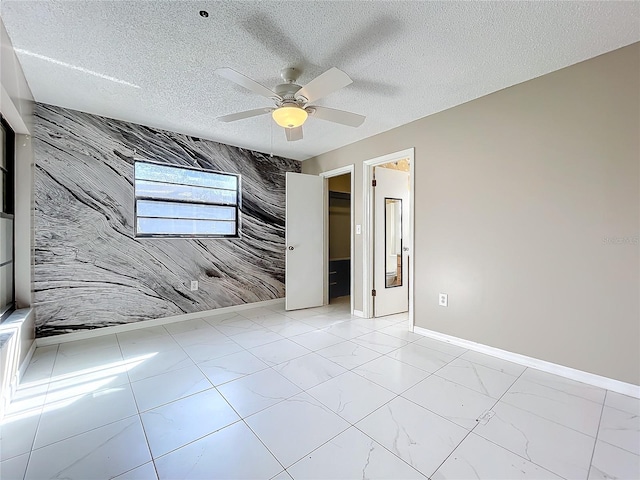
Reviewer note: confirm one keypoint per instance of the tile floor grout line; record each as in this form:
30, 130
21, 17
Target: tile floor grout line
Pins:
84, 431
516, 453
436, 413
378, 443
524, 409
349, 422
474, 427
193, 441
490, 367
318, 400
434, 374
595, 442
350, 425
123, 359
30, 452
455, 357
317, 384
132, 469
486, 394
569, 380
264, 445
636, 413
619, 447
146, 438
332, 378
229, 381
135, 401
501, 397
262, 409
547, 419
26, 469
562, 391
385, 387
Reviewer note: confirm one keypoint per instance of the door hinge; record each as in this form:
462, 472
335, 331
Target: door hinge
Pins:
373, 292
374, 183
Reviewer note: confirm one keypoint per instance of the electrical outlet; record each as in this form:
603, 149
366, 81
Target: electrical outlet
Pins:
443, 300
194, 285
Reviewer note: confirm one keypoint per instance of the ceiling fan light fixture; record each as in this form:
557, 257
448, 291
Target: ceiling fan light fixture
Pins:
289, 116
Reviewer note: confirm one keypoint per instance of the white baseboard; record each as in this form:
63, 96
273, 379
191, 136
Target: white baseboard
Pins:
26, 361
17, 378
19, 326
358, 313
98, 332
567, 372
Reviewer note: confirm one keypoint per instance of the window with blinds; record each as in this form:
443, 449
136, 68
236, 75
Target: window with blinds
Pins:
186, 202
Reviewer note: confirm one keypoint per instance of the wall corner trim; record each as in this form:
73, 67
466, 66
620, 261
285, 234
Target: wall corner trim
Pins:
358, 313
549, 367
127, 327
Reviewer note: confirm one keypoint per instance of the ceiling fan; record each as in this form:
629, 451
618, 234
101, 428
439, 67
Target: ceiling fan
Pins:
292, 101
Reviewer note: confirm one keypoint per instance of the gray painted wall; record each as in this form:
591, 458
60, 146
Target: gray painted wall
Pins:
527, 215
90, 271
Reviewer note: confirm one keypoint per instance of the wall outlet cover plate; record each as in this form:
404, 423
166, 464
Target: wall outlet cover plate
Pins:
443, 299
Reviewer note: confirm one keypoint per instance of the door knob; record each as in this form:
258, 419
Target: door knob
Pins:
290, 247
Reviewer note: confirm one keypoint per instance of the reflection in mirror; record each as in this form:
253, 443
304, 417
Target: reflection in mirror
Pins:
393, 242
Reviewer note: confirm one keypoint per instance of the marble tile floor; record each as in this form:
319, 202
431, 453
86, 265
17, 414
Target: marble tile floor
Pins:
312, 394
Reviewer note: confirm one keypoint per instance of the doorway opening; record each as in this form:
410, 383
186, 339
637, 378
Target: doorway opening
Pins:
339, 219
339, 193
388, 228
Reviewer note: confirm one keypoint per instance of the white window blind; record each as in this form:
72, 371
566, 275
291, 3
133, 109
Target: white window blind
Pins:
185, 202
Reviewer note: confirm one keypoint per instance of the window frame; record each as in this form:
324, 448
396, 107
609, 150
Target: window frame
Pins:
9, 193
169, 236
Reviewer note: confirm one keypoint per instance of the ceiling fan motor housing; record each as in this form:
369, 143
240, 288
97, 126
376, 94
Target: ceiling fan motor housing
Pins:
287, 91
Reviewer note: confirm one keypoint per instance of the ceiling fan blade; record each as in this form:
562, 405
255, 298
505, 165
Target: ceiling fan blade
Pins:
337, 116
246, 82
232, 117
293, 134
324, 84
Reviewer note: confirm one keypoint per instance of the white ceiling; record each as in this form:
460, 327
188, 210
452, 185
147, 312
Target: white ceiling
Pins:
152, 62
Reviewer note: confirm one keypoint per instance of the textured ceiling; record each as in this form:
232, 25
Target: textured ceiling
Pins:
152, 62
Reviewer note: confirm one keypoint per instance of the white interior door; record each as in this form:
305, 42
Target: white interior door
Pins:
304, 219
391, 241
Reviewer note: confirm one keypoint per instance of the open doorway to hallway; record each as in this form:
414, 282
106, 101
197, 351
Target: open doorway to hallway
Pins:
339, 236
339, 225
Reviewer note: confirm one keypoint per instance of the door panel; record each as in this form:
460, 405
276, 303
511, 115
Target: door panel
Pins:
391, 241
304, 258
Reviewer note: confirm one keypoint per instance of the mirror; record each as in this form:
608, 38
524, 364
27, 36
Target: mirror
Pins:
393, 242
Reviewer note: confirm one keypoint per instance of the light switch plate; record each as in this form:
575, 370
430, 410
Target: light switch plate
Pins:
358, 229
443, 300
194, 285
